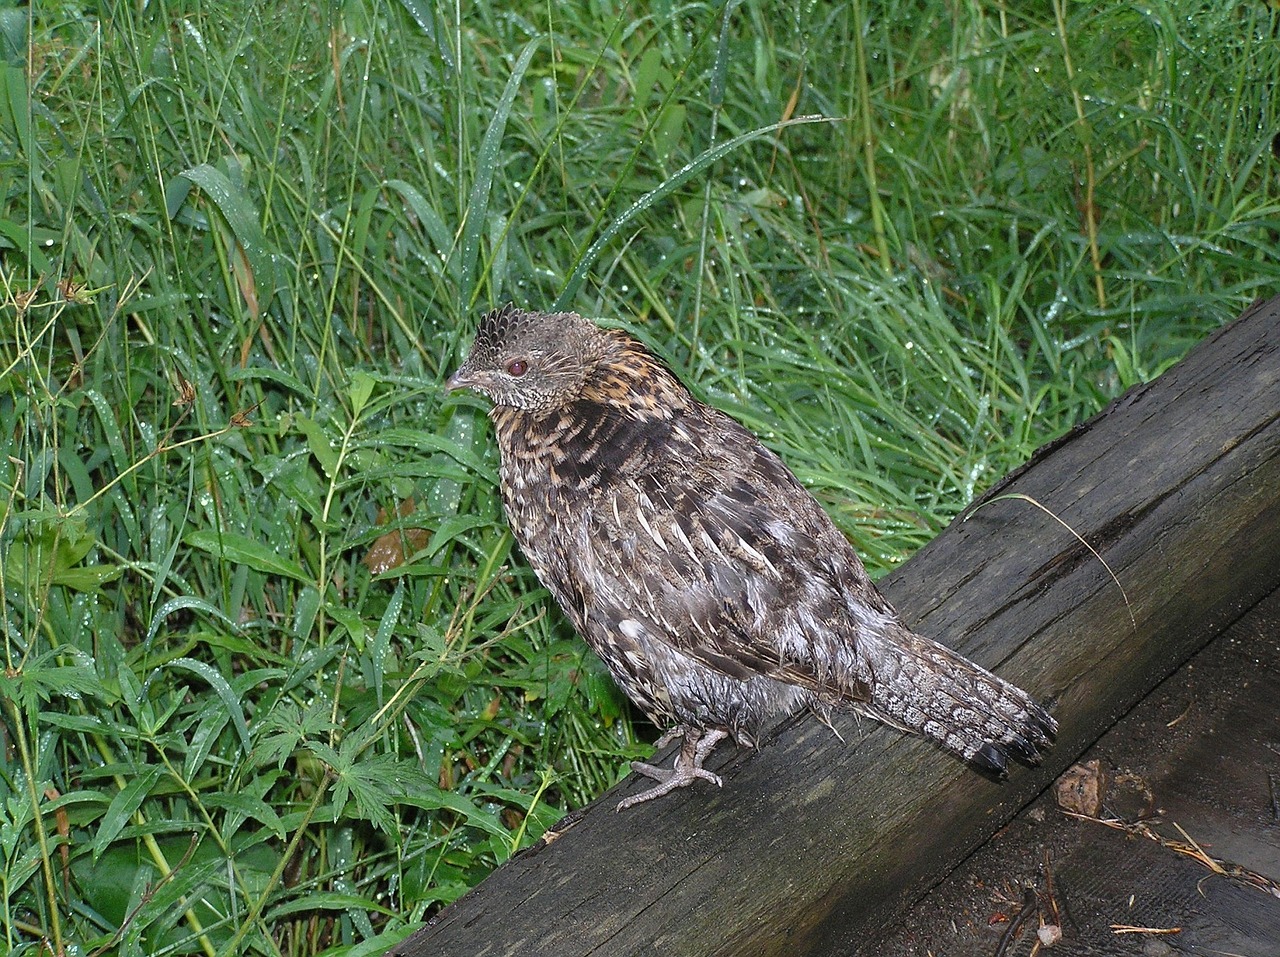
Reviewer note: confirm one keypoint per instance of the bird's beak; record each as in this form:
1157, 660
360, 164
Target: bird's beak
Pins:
466, 379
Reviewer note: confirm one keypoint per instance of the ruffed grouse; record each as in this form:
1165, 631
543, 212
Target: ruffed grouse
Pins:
715, 588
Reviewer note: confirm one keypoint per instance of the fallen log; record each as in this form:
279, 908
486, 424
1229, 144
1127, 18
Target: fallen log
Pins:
815, 844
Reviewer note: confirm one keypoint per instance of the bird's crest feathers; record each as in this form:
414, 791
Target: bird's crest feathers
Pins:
538, 362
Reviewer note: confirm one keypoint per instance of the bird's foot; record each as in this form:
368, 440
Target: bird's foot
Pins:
687, 769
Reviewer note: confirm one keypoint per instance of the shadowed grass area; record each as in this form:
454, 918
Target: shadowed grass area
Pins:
275, 680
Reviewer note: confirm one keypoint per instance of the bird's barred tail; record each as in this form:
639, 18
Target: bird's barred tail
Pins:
926, 688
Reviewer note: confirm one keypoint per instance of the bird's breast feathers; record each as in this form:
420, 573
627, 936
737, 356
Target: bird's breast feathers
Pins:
645, 528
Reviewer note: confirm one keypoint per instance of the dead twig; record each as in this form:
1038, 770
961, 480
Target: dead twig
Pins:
1191, 848
1030, 905
1130, 929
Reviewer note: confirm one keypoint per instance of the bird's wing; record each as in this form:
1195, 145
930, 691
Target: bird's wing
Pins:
724, 556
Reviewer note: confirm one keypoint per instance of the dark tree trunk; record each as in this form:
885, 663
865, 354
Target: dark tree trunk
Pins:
815, 844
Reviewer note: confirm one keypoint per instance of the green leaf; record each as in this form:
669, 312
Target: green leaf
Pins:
669, 131
277, 376
183, 602
49, 679
252, 808
300, 481
425, 213
286, 726
71, 722
646, 74
43, 678
487, 161
327, 901
13, 48
382, 639
87, 579
360, 389
381, 944
433, 798
123, 806
230, 700
242, 218
110, 429
424, 14
310, 663
318, 442
420, 440
203, 739
306, 607
25, 241
55, 545
449, 529
243, 550
15, 115
349, 620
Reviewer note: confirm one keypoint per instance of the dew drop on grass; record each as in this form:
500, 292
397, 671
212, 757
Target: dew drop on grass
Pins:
1055, 308
189, 28
971, 479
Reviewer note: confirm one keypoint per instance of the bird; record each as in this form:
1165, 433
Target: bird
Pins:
720, 595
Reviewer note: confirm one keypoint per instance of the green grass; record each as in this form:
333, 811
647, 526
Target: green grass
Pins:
244, 243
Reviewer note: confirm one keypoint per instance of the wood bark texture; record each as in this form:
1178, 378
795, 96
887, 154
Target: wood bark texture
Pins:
815, 844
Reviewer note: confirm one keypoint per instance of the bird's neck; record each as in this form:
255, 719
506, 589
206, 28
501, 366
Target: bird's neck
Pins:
623, 413
634, 382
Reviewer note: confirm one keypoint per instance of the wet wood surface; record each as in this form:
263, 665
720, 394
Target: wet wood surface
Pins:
815, 846
1179, 852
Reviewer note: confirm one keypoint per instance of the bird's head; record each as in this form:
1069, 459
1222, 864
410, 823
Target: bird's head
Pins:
531, 361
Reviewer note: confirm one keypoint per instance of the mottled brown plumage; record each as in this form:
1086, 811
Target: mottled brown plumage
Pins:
715, 588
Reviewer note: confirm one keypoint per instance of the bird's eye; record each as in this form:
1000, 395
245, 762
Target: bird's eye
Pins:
517, 367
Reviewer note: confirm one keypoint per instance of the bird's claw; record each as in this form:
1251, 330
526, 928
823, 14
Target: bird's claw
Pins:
686, 776
687, 768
